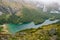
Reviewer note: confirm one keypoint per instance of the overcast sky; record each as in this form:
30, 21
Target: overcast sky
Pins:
49, 1
44, 1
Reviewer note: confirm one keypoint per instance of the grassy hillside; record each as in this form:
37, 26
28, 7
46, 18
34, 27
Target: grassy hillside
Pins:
23, 14
38, 16
27, 15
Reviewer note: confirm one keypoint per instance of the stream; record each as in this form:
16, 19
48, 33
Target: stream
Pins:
15, 28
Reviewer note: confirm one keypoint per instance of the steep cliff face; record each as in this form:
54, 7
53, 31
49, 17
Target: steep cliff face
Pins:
15, 6
12, 4
18, 3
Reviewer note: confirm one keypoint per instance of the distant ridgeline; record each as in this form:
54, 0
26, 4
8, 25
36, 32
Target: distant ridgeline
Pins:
8, 15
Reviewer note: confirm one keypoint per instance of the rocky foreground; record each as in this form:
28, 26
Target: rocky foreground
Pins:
48, 32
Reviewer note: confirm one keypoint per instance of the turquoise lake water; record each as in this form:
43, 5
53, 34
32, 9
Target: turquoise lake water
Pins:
13, 28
